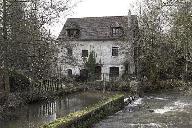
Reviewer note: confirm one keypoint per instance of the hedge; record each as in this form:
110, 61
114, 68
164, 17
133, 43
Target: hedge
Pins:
90, 115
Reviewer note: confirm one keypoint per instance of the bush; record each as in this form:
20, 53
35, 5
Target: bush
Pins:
165, 85
18, 82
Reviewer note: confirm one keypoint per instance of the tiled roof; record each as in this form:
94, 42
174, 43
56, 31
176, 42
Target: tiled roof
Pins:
97, 28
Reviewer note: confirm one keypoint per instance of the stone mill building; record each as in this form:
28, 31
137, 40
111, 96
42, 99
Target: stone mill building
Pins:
112, 38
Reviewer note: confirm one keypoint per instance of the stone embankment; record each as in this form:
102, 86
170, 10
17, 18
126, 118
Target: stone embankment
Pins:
90, 115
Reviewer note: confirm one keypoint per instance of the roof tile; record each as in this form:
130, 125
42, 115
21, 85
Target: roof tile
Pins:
96, 28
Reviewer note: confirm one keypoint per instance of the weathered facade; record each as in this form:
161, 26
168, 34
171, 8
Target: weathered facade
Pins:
111, 38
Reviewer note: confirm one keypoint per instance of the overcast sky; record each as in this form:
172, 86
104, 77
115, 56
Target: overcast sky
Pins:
97, 8
92, 8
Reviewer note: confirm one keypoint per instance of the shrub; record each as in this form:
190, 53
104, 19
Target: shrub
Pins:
18, 82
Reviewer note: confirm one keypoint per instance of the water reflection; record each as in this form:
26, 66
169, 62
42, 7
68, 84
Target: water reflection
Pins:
35, 115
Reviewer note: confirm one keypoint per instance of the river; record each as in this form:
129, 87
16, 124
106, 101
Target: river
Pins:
159, 110
34, 115
155, 110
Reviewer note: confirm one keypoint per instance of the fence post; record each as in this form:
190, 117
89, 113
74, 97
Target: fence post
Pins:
38, 86
54, 88
104, 83
30, 89
52, 85
49, 85
57, 86
46, 84
61, 86
42, 87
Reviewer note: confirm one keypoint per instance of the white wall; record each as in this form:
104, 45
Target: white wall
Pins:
103, 50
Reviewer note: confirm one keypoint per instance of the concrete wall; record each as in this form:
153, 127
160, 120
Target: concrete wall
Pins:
103, 50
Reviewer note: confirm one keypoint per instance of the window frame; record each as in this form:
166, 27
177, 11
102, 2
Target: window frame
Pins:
115, 51
116, 31
69, 72
113, 73
69, 51
83, 54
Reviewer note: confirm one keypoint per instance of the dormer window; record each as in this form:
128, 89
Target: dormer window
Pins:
117, 31
73, 33
69, 51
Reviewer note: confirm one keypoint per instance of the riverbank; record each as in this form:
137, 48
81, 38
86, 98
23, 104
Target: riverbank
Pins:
90, 115
47, 95
13, 101
172, 84
36, 114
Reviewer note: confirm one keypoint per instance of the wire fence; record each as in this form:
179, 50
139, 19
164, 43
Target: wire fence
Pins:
45, 86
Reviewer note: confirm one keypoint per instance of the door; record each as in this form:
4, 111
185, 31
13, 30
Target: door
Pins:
98, 72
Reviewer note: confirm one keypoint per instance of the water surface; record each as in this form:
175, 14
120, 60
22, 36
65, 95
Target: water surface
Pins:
34, 115
163, 110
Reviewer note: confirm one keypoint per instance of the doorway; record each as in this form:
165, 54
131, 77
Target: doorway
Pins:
98, 72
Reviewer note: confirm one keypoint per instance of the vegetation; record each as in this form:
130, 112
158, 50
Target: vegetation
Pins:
90, 65
18, 82
165, 40
27, 49
26, 43
163, 53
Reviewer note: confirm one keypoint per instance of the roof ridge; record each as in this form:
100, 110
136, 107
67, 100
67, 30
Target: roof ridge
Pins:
92, 28
95, 17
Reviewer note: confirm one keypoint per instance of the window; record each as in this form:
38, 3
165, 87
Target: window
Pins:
117, 31
69, 72
127, 68
73, 33
83, 75
115, 51
84, 53
69, 52
114, 72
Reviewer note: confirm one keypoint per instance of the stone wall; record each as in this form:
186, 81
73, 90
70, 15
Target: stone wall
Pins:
103, 50
87, 117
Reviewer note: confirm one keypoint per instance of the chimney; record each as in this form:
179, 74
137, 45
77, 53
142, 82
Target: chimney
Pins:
129, 19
